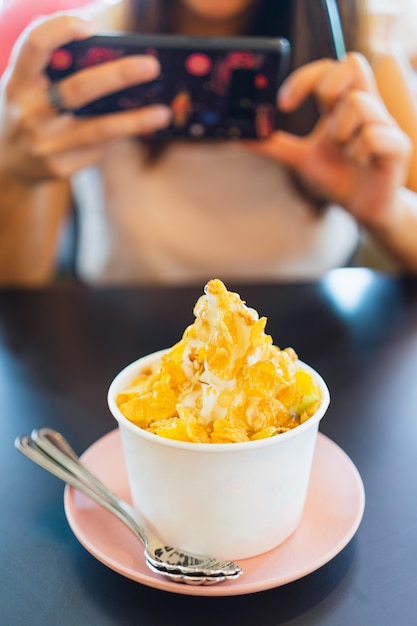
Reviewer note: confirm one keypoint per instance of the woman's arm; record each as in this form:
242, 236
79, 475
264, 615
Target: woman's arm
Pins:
357, 156
31, 218
41, 148
397, 82
398, 232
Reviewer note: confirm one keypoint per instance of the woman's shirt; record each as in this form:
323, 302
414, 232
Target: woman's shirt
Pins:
200, 211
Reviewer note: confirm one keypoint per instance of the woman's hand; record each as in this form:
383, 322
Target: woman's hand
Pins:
37, 143
356, 156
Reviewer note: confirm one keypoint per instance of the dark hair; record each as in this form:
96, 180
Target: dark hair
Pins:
303, 22
283, 18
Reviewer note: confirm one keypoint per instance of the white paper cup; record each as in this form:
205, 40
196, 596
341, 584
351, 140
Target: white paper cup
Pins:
233, 500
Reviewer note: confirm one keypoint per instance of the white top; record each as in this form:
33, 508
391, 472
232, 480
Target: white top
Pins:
202, 211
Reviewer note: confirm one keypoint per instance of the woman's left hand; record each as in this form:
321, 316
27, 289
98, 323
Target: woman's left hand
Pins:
356, 155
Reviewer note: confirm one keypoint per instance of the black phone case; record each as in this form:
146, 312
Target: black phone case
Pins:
217, 88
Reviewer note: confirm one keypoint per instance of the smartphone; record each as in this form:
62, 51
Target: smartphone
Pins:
217, 87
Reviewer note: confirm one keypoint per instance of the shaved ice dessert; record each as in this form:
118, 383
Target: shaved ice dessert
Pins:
224, 382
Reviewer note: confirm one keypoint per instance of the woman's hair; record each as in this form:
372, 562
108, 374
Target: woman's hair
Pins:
303, 22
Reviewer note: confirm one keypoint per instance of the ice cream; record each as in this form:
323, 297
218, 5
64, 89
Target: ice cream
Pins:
224, 381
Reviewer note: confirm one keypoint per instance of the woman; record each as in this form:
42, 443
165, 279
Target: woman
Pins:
286, 207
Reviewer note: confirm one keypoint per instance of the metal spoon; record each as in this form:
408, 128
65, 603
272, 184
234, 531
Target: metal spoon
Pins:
50, 450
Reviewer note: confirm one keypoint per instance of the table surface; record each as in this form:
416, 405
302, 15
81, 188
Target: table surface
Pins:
61, 347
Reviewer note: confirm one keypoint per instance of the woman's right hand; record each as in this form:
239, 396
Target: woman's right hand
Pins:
37, 143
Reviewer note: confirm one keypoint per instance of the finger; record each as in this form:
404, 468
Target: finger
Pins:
36, 44
301, 83
64, 165
353, 73
281, 146
353, 112
92, 83
327, 80
66, 134
381, 143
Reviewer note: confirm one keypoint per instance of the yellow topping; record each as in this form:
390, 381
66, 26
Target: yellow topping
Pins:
224, 381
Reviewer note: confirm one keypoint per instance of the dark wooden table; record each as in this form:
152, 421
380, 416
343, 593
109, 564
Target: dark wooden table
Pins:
59, 350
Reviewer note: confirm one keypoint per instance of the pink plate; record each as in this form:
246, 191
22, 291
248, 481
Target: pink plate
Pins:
333, 512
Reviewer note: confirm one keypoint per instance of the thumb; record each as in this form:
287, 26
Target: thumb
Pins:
281, 146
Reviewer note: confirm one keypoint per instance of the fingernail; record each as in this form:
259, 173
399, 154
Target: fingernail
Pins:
283, 94
162, 115
149, 65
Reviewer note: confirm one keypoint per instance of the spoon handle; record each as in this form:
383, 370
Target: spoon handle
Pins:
47, 437
41, 449
57, 447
